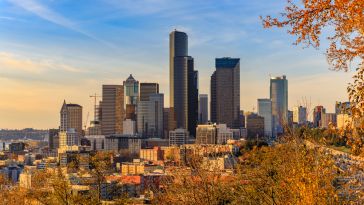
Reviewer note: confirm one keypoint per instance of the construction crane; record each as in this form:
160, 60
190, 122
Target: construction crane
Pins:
95, 96
88, 113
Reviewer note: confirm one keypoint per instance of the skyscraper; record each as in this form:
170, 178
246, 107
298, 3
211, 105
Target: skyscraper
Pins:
183, 83
265, 110
146, 89
112, 114
155, 115
131, 97
192, 99
143, 108
225, 92
203, 108
71, 118
279, 98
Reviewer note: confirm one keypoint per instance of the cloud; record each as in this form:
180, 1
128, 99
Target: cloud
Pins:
11, 63
45, 13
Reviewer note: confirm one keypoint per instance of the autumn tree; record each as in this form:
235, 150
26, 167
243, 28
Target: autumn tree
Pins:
307, 19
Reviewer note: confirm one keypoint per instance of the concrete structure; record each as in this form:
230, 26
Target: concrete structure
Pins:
279, 98
129, 127
224, 134
71, 118
112, 114
265, 110
178, 137
225, 92
203, 108
131, 97
255, 126
300, 115
97, 142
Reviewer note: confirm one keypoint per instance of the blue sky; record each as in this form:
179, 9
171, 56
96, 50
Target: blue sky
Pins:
52, 50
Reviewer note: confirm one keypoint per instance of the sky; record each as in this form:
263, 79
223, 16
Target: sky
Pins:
55, 50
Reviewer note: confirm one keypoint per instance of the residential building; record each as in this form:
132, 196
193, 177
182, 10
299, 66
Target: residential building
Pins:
225, 92
130, 144
154, 154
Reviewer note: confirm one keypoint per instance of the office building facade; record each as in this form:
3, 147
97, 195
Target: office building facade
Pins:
265, 110
225, 92
203, 108
71, 118
112, 114
279, 98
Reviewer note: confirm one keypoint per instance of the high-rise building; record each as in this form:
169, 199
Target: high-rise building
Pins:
279, 98
254, 125
300, 115
318, 114
166, 122
71, 118
112, 114
183, 84
155, 115
265, 110
178, 72
131, 97
146, 89
192, 99
203, 108
225, 92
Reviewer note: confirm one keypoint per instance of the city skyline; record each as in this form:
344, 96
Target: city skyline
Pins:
36, 79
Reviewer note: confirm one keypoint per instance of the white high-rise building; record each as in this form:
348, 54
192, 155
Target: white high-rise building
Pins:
265, 110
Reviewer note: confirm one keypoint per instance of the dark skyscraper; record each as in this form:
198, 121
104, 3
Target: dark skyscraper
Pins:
112, 109
225, 92
183, 84
203, 108
192, 98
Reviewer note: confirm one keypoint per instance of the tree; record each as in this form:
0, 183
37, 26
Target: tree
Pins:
306, 20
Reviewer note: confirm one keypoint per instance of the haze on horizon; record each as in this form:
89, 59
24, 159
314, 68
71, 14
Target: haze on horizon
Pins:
56, 50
